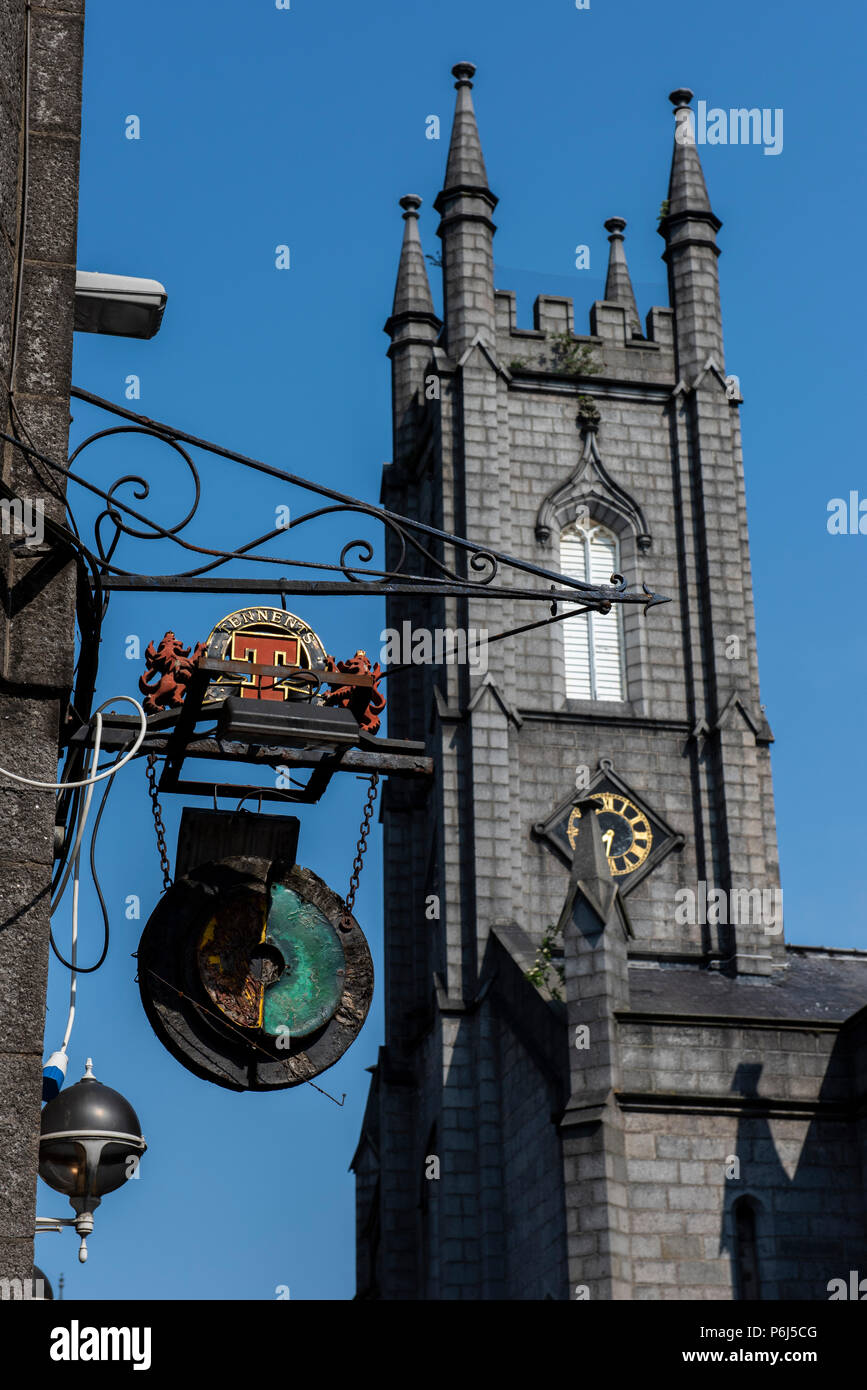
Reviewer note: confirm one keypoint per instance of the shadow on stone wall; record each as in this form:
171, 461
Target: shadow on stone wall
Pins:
787, 1238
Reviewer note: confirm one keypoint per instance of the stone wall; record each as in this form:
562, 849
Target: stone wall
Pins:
36, 637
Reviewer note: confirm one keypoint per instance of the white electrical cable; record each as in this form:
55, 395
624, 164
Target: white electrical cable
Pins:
99, 776
72, 858
75, 865
73, 979
57, 1060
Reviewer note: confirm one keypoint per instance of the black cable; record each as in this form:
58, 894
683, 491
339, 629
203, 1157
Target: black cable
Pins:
89, 969
69, 817
276, 791
14, 412
93, 873
18, 283
29, 449
89, 624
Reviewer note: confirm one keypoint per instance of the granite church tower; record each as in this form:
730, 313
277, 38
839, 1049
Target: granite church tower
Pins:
605, 1075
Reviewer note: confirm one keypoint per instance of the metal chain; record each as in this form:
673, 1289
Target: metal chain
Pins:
158, 821
360, 851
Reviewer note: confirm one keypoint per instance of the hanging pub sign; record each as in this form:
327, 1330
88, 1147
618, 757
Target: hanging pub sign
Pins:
263, 637
252, 971
260, 638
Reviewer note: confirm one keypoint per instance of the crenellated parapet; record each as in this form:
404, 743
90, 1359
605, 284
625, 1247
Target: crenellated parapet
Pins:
611, 349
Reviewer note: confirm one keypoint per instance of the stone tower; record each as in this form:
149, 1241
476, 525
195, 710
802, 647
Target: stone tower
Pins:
604, 1073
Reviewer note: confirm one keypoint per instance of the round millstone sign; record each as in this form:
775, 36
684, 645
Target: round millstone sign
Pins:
254, 977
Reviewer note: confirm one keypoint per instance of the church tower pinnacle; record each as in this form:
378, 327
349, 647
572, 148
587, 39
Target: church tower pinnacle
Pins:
689, 228
618, 286
465, 206
412, 326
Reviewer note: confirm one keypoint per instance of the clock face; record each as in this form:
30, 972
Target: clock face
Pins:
626, 831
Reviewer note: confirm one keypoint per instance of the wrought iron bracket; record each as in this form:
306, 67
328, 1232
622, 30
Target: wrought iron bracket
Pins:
173, 736
471, 571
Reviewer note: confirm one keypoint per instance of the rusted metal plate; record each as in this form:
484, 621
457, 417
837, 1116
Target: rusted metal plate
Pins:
226, 950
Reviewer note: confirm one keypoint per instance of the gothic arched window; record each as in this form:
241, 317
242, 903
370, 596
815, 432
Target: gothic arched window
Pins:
592, 642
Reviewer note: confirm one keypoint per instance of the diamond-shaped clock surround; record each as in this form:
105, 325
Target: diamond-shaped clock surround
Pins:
552, 831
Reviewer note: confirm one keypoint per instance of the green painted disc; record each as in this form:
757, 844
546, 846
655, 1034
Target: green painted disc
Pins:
309, 989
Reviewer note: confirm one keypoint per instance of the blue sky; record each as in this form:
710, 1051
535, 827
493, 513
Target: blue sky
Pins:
262, 127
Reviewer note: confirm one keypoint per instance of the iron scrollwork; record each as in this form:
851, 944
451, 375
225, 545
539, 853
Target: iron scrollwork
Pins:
474, 570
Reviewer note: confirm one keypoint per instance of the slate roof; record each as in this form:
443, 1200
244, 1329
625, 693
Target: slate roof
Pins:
817, 984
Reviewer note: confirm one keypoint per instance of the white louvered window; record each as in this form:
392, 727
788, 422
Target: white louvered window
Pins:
593, 642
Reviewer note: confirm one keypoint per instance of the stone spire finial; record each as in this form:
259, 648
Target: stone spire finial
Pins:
465, 205
412, 326
618, 285
689, 227
687, 192
466, 165
412, 294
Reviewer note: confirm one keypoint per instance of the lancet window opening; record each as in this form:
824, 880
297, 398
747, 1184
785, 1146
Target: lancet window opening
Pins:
592, 642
